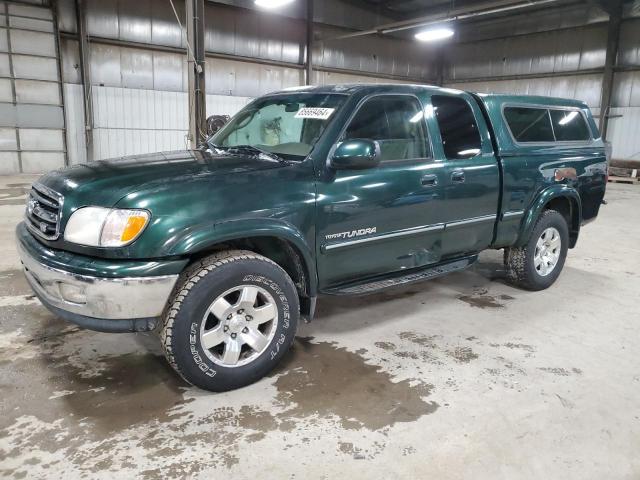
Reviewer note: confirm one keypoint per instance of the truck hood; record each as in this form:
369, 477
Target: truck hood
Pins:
104, 182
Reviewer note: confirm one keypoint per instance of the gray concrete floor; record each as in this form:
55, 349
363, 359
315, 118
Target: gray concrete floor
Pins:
460, 377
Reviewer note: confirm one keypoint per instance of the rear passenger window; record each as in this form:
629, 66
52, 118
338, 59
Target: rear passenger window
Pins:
458, 129
396, 122
529, 124
569, 126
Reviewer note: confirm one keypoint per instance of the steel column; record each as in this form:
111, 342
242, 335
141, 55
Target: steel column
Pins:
613, 40
85, 76
309, 64
196, 62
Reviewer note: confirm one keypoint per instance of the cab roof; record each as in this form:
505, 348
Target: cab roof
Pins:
487, 98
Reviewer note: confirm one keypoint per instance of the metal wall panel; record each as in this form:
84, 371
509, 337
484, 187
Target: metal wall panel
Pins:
103, 18
4, 44
33, 91
629, 50
31, 24
581, 87
134, 121
135, 20
39, 162
66, 15
74, 116
164, 28
33, 105
169, 71
39, 116
5, 71
9, 163
8, 116
623, 132
8, 139
70, 60
6, 92
28, 11
253, 34
41, 139
548, 52
546, 19
33, 43
104, 63
136, 68
626, 89
35, 68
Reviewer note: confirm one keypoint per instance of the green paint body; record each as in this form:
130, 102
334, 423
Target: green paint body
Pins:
199, 200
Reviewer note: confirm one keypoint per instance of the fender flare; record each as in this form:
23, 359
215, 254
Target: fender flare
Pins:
205, 236
537, 206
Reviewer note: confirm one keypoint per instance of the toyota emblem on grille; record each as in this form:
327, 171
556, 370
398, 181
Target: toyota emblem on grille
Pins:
43, 227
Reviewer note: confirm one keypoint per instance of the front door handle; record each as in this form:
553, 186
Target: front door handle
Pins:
429, 180
458, 176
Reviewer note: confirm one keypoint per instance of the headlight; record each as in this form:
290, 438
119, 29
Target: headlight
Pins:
105, 227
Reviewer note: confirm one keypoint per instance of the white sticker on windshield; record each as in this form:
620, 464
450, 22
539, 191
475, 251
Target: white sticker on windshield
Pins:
315, 113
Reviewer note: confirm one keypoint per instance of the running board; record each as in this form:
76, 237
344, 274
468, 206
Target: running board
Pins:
413, 277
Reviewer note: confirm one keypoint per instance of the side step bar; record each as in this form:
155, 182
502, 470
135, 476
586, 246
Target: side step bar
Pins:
378, 283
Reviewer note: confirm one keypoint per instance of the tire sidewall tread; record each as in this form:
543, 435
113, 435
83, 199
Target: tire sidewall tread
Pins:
519, 261
196, 288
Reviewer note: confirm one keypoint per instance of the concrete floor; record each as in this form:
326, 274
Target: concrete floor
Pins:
461, 377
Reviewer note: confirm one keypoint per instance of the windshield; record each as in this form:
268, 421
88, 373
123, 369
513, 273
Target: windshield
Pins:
287, 125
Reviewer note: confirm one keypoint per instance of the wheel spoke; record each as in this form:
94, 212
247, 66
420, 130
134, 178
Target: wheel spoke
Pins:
220, 308
555, 243
248, 297
231, 352
213, 337
264, 314
255, 339
543, 267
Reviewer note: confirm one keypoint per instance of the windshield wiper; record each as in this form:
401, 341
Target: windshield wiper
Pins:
256, 150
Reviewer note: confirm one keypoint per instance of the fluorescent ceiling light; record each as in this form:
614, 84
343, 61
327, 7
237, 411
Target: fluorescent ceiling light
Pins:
272, 3
568, 118
434, 34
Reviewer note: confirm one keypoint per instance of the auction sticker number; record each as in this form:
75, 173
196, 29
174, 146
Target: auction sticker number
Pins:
315, 113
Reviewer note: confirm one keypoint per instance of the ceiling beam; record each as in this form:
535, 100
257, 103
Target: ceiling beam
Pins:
456, 14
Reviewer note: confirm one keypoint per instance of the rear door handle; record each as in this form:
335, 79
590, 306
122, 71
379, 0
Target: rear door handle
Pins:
457, 176
429, 180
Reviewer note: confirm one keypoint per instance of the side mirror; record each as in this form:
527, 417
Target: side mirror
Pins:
356, 155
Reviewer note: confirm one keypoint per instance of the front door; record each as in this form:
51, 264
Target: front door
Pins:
388, 218
472, 176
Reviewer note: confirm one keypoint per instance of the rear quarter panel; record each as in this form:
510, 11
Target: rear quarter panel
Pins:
529, 170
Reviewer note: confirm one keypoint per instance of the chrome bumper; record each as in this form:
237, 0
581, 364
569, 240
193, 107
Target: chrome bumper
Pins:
96, 297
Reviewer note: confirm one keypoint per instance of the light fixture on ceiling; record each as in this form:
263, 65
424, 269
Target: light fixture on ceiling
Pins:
272, 3
434, 34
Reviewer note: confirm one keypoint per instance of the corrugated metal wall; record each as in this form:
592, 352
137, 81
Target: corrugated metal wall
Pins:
139, 90
138, 69
31, 111
565, 62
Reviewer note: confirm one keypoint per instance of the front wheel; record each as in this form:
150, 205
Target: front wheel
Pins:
538, 264
231, 319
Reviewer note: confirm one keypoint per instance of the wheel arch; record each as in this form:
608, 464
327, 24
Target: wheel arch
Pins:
562, 198
276, 240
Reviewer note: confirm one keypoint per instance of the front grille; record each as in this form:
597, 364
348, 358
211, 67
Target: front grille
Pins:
44, 208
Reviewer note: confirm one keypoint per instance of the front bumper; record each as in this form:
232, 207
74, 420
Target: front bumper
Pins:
99, 303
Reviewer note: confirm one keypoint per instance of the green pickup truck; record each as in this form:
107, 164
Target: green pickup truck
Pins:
334, 190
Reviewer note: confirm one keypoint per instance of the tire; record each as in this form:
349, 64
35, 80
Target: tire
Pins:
527, 270
198, 326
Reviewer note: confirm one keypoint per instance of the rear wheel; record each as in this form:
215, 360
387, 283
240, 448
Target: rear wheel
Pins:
538, 264
230, 321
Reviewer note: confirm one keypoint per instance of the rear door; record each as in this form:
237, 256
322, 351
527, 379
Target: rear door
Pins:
471, 173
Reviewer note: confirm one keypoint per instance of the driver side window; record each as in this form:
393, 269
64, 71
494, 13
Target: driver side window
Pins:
396, 122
